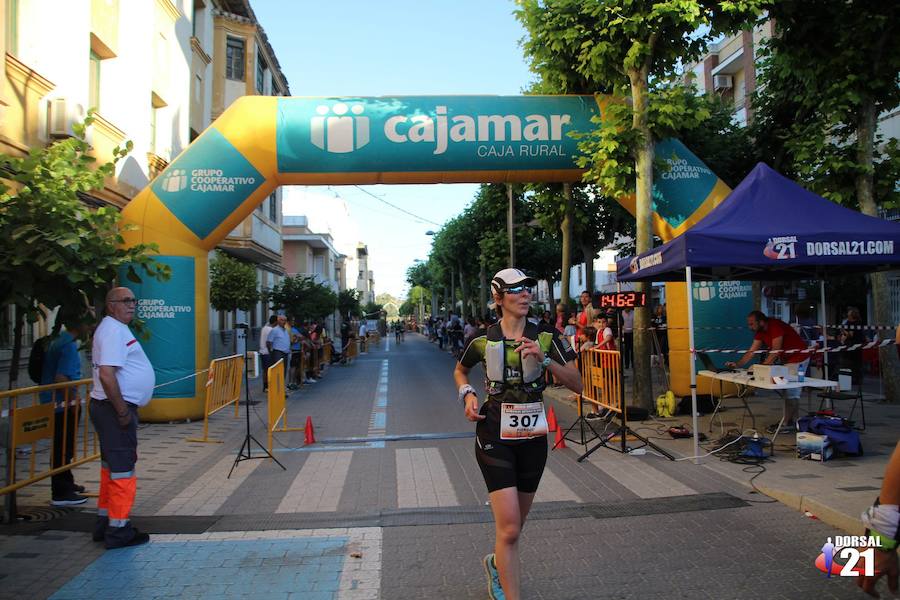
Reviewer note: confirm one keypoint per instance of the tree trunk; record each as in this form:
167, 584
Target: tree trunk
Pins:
452, 291
642, 390
887, 355
566, 229
588, 252
464, 291
483, 293
18, 328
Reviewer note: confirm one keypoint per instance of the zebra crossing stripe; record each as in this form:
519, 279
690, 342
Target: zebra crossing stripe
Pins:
319, 484
422, 479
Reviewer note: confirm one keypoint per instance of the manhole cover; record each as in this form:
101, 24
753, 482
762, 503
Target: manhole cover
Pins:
42, 514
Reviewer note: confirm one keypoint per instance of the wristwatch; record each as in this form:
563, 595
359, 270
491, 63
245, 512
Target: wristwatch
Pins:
546, 362
466, 389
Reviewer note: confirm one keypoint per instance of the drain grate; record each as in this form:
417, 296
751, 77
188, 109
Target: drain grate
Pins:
42, 514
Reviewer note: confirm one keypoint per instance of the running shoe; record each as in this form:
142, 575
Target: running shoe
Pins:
72, 499
495, 592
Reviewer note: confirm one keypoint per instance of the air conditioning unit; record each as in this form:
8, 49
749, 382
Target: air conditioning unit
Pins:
61, 115
722, 82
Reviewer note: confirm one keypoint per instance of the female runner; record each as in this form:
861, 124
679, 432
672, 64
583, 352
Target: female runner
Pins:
511, 431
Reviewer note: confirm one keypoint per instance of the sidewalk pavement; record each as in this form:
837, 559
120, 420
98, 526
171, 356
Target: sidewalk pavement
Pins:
836, 491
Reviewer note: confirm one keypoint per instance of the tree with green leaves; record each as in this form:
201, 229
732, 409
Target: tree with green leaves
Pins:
232, 286
302, 298
348, 304
56, 250
826, 74
632, 50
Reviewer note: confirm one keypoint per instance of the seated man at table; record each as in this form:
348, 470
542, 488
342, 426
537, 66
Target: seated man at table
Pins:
777, 336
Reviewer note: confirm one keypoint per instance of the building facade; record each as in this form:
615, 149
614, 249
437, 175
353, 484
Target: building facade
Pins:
156, 73
311, 254
328, 214
126, 60
231, 57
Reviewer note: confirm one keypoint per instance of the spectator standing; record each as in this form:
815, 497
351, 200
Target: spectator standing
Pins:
586, 316
346, 334
264, 356
123, 381
62, 363
562, 318
296, 366
470, 328
279, 344
852, 333
604, 338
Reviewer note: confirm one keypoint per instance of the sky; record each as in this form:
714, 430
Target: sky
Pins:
397, 47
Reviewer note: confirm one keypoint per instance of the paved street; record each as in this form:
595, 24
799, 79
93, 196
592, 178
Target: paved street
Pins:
389, 503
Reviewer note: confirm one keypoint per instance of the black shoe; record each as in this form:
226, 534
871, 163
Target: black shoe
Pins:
113, 541
78, 489
100, 526
70, 499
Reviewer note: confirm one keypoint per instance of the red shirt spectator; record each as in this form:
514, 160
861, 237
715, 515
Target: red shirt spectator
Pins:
791, 340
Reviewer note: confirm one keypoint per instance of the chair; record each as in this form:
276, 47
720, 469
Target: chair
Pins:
856, 396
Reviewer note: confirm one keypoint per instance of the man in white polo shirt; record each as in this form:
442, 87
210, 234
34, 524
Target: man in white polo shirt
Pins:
123, 381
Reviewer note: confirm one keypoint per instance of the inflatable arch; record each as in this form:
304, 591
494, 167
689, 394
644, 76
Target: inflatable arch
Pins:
261, 142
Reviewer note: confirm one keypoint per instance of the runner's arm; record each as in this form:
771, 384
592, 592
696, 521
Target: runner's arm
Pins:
461, 377
567, 375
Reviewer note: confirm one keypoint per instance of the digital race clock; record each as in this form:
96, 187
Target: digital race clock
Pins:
623, 300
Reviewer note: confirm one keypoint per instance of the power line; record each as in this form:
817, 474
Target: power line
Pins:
394, 206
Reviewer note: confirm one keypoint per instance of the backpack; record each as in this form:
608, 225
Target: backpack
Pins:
36, 358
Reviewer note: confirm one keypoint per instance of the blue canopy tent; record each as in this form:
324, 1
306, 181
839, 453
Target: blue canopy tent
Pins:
768, 228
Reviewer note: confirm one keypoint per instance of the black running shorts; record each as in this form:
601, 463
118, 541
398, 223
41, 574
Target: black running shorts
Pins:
518, 465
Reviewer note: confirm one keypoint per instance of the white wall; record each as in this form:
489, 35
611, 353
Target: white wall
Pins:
54, 40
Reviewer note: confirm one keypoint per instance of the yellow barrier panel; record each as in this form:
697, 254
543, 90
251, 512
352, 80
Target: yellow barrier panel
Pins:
277, 403
601, 377
223, 387
32, 422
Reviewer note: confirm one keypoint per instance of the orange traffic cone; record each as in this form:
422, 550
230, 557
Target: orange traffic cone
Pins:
560, 439
310, 437
552, 425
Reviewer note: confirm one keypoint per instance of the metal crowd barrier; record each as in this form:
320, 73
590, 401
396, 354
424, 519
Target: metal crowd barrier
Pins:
32, 422
277, 410
601, 375
223, 388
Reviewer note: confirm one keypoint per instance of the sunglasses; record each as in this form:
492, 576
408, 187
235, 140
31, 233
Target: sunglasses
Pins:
518, 289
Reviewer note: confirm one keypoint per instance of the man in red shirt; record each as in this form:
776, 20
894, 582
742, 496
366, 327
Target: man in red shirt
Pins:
777, 336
